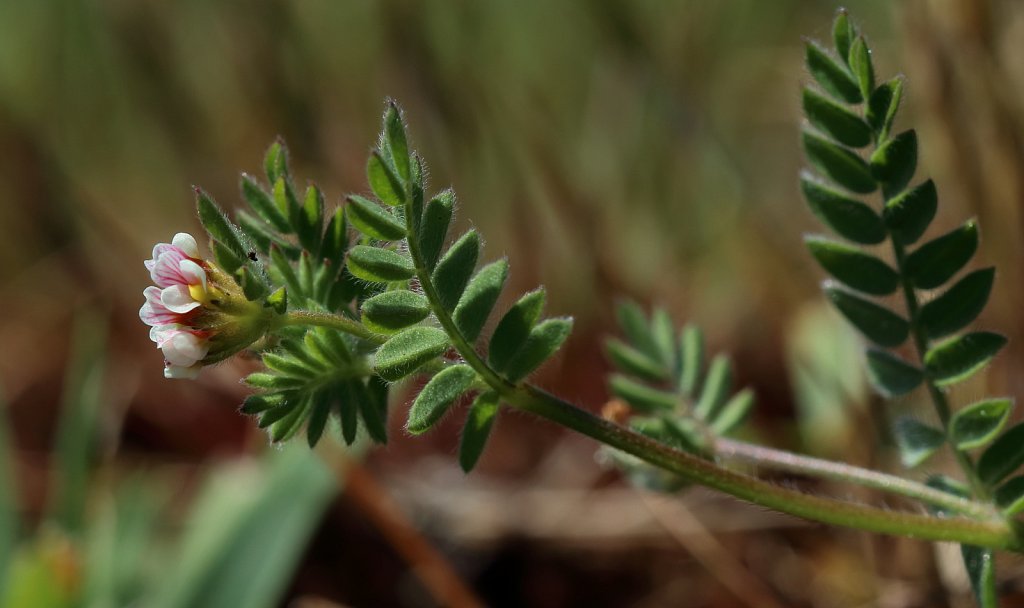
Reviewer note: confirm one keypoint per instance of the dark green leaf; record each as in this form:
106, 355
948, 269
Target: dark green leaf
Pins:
217, 224
273, 381
479, 299
437, 396
895, 162
372, 220
394, 131
436, 219
835, 120
734, 412
916, 440
961, 304
334, 243
843, 34
408, 350
348, 412
641, 397
311, 219
979, 423
877, 323
455, 268
514, 328
319, 412
285, 428
832, 75
544, 339
958, 358
882, 107
379, 265
980, 565
287, 407
383, 181
391, 311
848, 217
717, 385
477, 429
1002, 457
259, 403
374, 417
691, 345
259, 199
861, 66
909, 214
853, 267
1010, 496
288, 366
634, 324
891, 375
935, 262
839, 164
634, 362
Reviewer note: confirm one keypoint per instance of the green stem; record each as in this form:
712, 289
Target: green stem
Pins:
326, 319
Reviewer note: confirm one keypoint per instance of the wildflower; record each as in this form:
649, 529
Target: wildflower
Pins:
197, 313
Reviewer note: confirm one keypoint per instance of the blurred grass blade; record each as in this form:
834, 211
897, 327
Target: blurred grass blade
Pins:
8, 499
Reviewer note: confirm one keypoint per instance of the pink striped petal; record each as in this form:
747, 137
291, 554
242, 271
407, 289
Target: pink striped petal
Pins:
187, 244
153, 312
166, 270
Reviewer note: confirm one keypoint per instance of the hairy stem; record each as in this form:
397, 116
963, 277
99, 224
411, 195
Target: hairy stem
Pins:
339, 322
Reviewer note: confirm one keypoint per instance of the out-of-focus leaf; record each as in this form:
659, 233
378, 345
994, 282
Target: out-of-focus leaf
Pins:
1002, 457
1010, 496
877, 323
839, 164
935, 262
691, 345
980, 566
891, 375
833, 76
843, 34
853, 267
979, 423
477, 429
847, 217
734, 412
959, 306
641, 397
917, 441
958, 358
8, 500
909, 214
835, 120
632, 361
717, 385
882, 106
895, 162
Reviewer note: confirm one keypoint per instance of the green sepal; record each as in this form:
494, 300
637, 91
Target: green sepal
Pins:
392, 311
890, 375
958, 306
843, 34
861, 66
877, 323
479, 298
917, 441
640, 397
895, 162
717, 385
979, 423
1010, 496
455, 268
882, 107
409, 350
833, 76
1003, 457
372, 220
436, 219
379, 265
958, 358
853, 267
835, 120
733, 413
634, 362
261, 202
479, 422
691, 355
385, 184
514, 328
847, 217
544, 340
374, 416
908, 215
981, 566
935, 262
394, 134
437, 396
838, 164
320, 411
217, 224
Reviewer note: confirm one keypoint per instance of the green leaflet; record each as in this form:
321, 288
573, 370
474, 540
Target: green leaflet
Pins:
1010, 496
385, 184
408, 350
895, 162
1003, 457
391, 311
334, 243
372, 220
544, 339
284, 198
716, 388
980, 564
908, 215
273, 381
956, 359
394, 132
979, 423
372, 407
853, 267
634, 362
843, 34
260, 200
882, 106
217, 224
436, 219
839, 164
379, 265
691, 343
832, 75
348, 413
958, 306
917, 441
935, 262
275, 162
479, 422
860, 65
514, 328
437, 396
642, 397
320, 410
891, 375
878, 324
634, 324
835, 120
663, 332
479, 299
455, 268
734, 412
310, 220
849, 218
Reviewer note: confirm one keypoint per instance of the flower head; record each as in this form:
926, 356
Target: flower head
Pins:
197, 312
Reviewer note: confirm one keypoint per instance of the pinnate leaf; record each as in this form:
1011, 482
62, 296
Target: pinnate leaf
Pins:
980, 566
861, 66
839, 164
408, 350
843, 34
849, 218
394, 132
883, 105
477, 429
691, 345
641, 397
217, 224
1010, 496
959, 305
853, 267
716, 388
877, 323
634, 362
437, 396
734, 412
383, 181
319, 412
263, 204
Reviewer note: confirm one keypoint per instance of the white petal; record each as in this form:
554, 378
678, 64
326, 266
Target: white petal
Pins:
177, 298
178, 372
186, 243
193, 273
185, 349
163, 333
